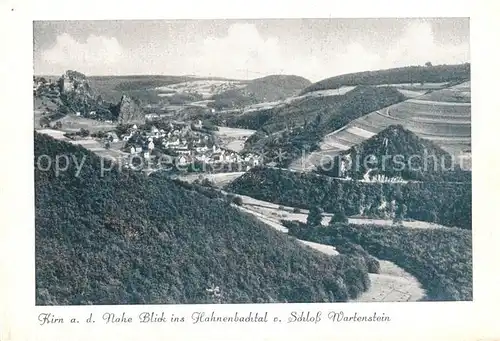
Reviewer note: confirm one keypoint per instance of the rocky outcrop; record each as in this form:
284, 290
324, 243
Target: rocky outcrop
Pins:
72, 94
130, 111
73, 82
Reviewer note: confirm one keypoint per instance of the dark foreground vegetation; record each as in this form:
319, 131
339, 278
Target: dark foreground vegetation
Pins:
449, 204
409, 74
130, 239
441, 259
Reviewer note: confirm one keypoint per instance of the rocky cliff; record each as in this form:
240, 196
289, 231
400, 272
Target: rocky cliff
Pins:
75, 83
73, 94
129, 111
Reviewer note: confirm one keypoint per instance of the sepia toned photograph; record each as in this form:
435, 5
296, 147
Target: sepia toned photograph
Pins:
252, 161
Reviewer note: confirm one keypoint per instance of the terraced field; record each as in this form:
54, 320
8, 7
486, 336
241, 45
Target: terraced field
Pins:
443, 116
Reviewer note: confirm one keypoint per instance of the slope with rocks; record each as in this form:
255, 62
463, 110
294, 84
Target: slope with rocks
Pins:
73, 93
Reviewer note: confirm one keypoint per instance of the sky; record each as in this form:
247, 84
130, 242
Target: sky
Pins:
241, 49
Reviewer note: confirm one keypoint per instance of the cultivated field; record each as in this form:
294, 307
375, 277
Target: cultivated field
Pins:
218, 179
443, 116
205, 88
233, 138
73, 123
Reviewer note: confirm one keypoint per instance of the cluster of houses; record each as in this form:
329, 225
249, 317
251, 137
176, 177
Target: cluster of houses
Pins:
188, 146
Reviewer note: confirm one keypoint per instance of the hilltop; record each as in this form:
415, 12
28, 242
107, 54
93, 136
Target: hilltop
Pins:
405, 75
396, 152
124, 238
265, 89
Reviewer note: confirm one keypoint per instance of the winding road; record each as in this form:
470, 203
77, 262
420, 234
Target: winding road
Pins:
392, 284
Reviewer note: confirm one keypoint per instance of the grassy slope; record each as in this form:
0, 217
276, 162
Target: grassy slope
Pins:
126, 238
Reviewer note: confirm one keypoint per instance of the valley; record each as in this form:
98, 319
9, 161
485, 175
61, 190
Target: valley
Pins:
228, 173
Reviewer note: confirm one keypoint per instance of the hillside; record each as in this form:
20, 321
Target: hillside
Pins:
448, 204
441, 259
300, 126
124, 238
442, 116
265, 89
276, 87
396, 152
411, 74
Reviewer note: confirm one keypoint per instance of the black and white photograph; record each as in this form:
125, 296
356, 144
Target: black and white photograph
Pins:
239, 161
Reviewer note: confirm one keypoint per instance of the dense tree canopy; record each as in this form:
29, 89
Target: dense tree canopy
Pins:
449, 204
124, 238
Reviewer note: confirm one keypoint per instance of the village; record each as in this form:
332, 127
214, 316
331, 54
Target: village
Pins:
160, 145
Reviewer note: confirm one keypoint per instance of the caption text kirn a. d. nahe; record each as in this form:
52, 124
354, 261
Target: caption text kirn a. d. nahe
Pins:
202, 317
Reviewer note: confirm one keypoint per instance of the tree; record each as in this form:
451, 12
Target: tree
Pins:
339, 215
428, 64
58, 125
237, 200
84, 132
315, 216
400, 213
44, 122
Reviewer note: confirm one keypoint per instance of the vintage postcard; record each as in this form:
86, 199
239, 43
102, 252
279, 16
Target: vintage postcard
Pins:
219, 178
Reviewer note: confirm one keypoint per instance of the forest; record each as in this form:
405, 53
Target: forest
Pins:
441, 259
448, 204
125, 238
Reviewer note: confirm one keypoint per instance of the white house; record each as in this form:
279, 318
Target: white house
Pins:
201, 149
78, 113
202, 158
135, 150
151, 145
198, 124
183, 160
